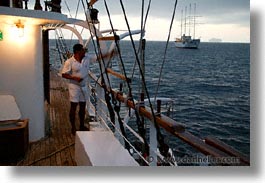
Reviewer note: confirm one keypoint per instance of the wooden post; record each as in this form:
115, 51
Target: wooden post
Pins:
153, 145
37, 5
158, 105
46, 65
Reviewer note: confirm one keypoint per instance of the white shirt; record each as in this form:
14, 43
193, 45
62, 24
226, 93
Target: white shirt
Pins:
75, 68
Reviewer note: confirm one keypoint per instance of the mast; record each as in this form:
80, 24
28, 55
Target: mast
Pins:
189, 18
142, 47
181, 22
185, 20
194, 20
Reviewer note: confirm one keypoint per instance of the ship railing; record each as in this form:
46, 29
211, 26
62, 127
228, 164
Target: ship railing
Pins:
102, 116
209, 146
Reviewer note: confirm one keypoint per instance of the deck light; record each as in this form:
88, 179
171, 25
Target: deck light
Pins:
20, 28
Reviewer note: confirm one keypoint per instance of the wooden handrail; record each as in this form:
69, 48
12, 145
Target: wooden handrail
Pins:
226, 148
109, 38
92, 2
178, 129
175, 128
118, 75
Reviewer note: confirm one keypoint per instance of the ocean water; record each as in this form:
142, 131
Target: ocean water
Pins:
210, 87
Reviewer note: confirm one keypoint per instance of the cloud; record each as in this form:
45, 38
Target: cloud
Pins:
216, 15
226, 32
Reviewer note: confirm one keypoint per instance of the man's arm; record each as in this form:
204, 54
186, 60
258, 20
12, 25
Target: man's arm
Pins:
94, 58
66, 71
69, 76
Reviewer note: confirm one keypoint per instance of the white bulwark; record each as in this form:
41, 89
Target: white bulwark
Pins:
21, 62
101, 148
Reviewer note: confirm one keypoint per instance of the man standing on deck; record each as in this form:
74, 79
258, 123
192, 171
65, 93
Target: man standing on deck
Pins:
76, 70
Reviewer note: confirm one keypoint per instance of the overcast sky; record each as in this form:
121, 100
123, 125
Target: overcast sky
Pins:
228, 20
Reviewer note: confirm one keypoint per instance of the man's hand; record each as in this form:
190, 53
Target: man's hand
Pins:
78, 79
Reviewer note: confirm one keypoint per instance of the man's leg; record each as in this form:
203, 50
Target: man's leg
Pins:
82, 112
72, 116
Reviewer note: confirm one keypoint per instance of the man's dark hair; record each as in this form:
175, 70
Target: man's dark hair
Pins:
77, 47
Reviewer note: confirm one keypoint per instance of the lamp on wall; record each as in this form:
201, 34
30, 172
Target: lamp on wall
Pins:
20, 28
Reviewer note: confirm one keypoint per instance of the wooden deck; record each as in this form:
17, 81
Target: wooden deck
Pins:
57, 149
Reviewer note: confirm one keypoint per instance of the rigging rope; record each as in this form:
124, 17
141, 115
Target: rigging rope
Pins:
165, 52
143, 29
61, 45
77, 8
59, 52
106, 90
162, 146
94, 45
139, 123
117, 109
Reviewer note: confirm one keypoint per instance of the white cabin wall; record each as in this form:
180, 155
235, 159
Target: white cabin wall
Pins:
21, 74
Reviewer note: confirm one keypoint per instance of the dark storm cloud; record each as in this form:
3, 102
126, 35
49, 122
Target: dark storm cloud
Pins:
213, 11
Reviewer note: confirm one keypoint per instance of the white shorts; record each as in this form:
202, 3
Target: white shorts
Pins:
76, 94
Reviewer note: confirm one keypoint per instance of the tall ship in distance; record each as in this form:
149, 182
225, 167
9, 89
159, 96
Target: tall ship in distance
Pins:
186, 41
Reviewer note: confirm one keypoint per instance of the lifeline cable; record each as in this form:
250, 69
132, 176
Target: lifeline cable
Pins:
164, 58
139, 124
99, 53
77, 8
107, 97
160, 137
94, 45
142, 28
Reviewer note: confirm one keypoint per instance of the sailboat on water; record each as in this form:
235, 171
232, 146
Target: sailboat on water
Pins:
186, 41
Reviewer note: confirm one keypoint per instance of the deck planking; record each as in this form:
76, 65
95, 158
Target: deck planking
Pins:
56, 149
